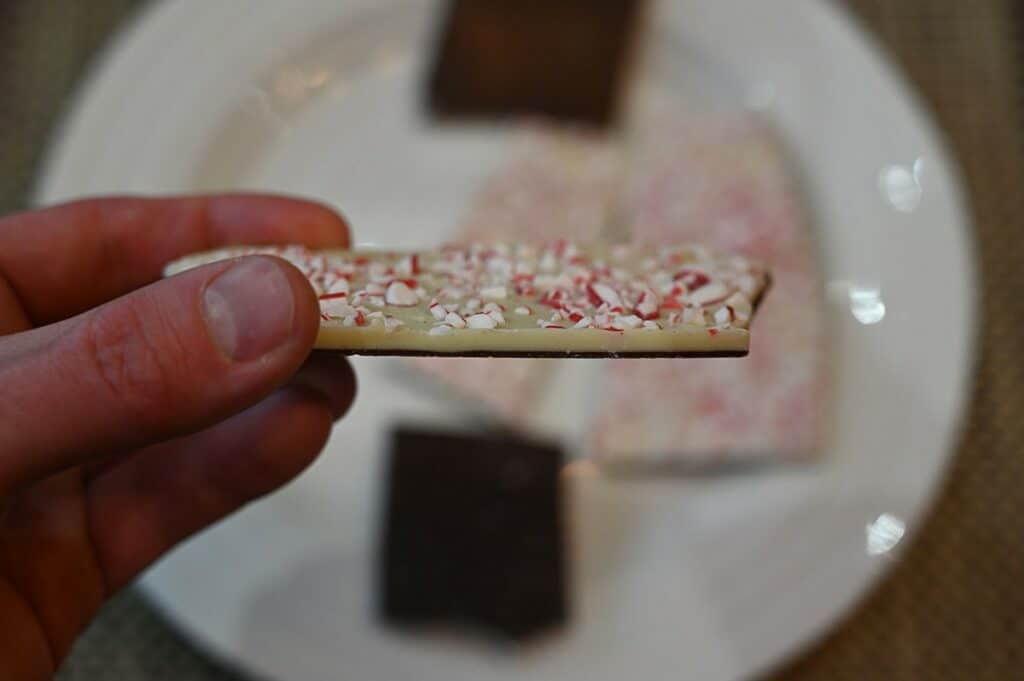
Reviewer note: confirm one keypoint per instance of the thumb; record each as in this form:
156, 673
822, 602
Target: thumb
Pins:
166, 360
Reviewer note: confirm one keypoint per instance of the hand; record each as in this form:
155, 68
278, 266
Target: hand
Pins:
133, 413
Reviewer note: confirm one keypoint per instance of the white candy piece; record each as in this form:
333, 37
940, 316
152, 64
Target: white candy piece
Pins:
647, 306
455, 320
337, 308
741, 306
629, 322
708, 294
400, 295
607, 295
482, 321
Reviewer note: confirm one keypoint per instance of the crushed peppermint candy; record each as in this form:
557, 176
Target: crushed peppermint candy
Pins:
482, 321
399, 294
722, 316
584, 323
480, 287
455, 320
438, 311
336, 308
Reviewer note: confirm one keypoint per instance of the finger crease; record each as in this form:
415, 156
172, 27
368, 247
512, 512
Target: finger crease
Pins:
39, 628
13, 316
90, 538
22, 594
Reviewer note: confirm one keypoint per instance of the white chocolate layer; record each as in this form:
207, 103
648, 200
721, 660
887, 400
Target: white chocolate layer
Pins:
462, 342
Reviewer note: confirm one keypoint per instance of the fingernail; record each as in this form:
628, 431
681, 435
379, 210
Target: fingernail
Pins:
250, 309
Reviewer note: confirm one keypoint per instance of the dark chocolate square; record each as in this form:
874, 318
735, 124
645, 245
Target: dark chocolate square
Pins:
472, 534
564, 59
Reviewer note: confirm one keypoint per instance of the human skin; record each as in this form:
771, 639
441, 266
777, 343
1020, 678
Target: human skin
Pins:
136, 411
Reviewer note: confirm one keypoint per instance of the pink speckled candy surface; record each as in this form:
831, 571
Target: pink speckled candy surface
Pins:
724, 181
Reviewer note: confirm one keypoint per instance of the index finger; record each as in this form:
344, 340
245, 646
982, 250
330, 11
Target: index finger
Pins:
64, 260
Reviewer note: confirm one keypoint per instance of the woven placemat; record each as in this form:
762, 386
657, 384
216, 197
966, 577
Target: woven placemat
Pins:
954, 607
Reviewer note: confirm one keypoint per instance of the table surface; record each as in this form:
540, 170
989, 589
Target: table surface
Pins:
952, 608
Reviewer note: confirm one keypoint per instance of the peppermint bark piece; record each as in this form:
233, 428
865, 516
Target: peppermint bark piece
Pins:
725, 181
552, 300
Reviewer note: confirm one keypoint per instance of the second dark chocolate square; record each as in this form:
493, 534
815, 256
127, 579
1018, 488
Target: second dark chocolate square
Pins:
564, 59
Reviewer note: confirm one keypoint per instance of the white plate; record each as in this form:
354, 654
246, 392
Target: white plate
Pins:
706, 579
